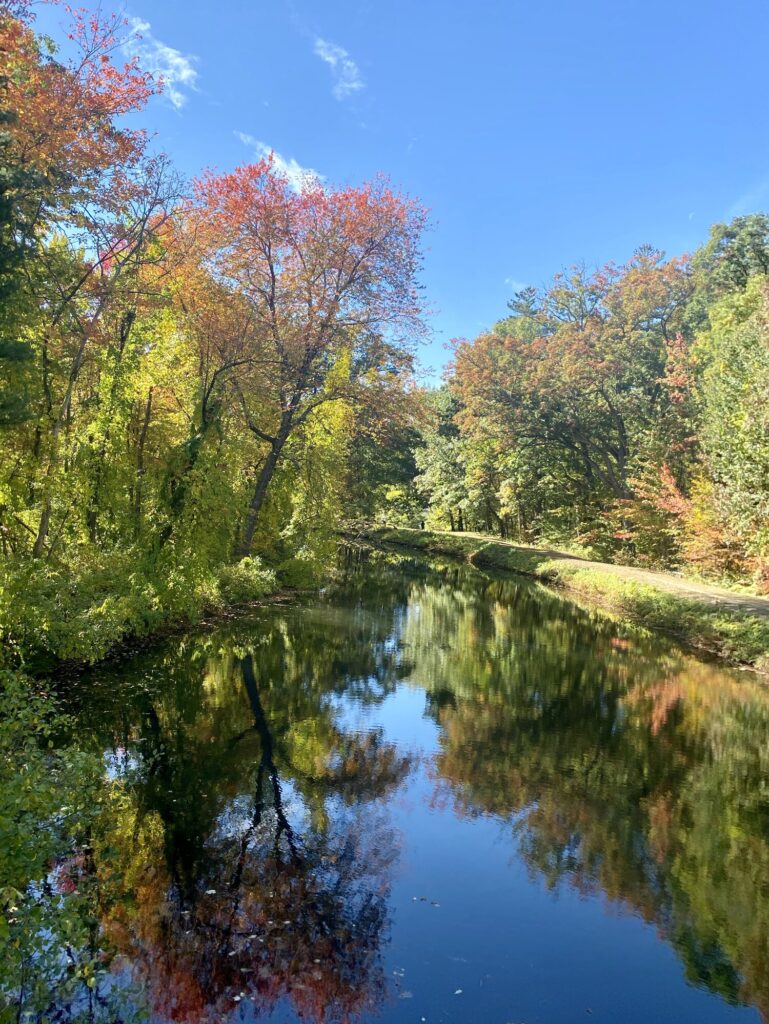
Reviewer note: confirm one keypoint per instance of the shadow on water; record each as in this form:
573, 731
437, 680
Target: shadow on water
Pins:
254, 825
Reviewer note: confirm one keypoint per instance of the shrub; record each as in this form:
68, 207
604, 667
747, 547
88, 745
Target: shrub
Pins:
246, 581
299, 572
77, 612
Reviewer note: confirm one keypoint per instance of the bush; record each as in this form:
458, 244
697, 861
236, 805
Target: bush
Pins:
300, 573
82, 611
79, 612
246, 581
51, 804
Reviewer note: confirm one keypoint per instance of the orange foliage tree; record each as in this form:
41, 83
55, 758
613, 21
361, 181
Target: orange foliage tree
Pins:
330, 277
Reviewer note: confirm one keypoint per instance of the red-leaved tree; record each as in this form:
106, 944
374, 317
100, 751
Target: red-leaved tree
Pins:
331, 279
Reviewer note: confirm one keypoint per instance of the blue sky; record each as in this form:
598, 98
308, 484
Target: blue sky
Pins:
538, 134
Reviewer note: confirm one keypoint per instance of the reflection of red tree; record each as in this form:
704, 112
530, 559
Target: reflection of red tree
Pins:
288, 900
283, 918
705, 691
70, 872
665, 695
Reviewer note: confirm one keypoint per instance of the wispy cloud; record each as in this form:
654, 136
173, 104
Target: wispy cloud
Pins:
296, 174
347, 76
514, 284
176, 69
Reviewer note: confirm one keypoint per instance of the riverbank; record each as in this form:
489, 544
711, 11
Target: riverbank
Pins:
732, 626
63, 620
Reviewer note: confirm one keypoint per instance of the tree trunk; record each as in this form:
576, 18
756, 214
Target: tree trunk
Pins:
262, 485
140, 463
92, 515
43, 527
500, 523
58, 423
262, 728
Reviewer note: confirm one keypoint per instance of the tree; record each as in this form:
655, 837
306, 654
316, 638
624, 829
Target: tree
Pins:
327, 273
571, 381
81, 202
734, 392
63, 153
734, 253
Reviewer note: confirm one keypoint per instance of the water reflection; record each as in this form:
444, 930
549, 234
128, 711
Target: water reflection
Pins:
623, 767
252, 864
250, 842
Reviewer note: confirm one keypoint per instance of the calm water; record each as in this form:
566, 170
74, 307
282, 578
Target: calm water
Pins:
431, 795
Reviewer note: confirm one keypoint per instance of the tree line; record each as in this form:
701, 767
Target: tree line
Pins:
199, 381
183, 366
622, 412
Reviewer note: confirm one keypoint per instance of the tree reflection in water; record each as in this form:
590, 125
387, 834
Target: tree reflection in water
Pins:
249, 862
623, 768
246, 850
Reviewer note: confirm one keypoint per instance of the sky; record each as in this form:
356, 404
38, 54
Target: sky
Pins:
538, 134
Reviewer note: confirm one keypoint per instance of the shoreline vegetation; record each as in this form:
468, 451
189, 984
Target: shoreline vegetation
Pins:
133, 644
731, 626
186, 367
201, 381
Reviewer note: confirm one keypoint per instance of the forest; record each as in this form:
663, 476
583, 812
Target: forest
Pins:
212, 393
202, 382
620, 411
185, 366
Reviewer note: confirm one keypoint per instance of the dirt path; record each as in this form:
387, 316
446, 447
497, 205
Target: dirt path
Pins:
717, 596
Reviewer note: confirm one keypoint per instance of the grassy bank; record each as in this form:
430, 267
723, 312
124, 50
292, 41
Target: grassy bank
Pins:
738, 637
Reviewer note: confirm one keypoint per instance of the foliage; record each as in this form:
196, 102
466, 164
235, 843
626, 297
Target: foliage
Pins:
315, 337
184, 371
57, 611
737, 636
620, 412
245, 581
735, 411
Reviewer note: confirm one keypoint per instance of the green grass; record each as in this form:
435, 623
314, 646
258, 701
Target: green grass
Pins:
738, 637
